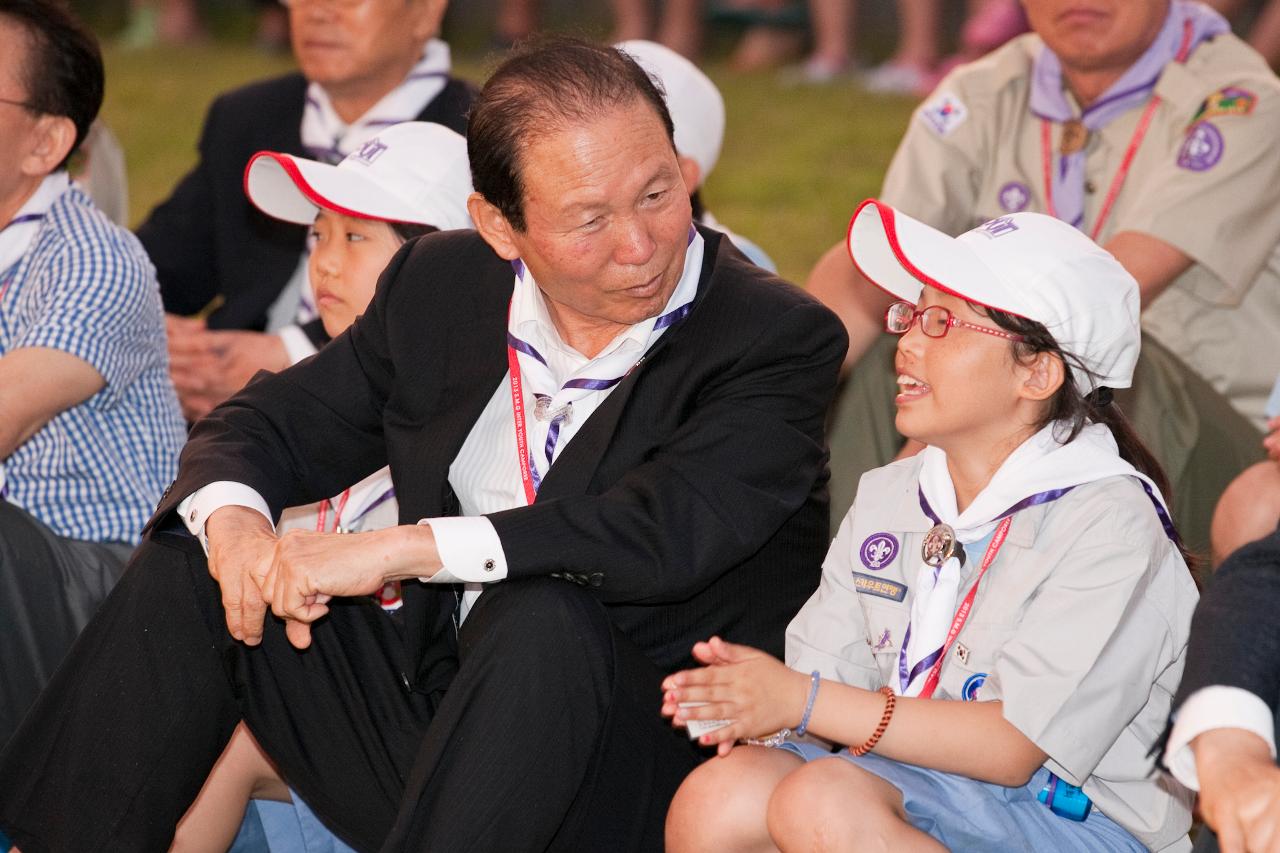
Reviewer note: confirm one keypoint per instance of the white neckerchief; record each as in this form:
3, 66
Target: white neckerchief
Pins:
560, 365
17, 236
1039, 465
327, 138
372, 491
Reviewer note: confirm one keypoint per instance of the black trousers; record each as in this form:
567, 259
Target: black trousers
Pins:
50, 586
548, 736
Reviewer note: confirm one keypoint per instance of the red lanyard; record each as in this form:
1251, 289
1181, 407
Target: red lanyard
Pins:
962, 615
322, 513
522, 440
1046, 149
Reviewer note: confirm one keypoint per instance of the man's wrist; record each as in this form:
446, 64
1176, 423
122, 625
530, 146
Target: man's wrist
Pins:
412, 553
235, 520
1227, 749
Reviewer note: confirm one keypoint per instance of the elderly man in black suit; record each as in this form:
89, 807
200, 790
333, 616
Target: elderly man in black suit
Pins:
1223, 741
602, 416
363, 65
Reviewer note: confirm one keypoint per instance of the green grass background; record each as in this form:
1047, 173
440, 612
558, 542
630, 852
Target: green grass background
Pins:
796, 160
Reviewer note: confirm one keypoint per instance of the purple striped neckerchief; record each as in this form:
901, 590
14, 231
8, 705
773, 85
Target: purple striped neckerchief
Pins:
1039, 470
549, 392
1134, 88
17, 235
328, 138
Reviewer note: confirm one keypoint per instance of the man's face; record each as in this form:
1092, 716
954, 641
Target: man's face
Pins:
607, 219
361, 44
1095, 35
17, 123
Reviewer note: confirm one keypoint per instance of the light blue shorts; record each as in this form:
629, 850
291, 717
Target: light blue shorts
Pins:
968, 815
285, 828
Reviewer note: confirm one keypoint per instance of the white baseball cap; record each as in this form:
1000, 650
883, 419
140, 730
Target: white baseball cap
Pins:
412, 172
696, 106
1028, 264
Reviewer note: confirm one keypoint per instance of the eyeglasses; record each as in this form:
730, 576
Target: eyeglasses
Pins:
935, 322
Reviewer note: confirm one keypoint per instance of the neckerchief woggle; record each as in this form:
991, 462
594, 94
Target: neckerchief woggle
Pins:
1039, 471
1187, 25
580, 386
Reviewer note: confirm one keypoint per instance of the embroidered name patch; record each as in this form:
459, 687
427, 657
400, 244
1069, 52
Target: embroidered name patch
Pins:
872, 585
1202, 149
878, 550
1231, 101
944, 113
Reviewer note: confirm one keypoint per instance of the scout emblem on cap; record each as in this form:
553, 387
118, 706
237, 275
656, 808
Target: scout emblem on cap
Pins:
939, 545
944, 113
1014, 196
997, 227
370, 151
1202, 149
878, 550
969, 692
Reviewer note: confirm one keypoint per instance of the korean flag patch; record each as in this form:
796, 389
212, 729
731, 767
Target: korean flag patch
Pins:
944, 113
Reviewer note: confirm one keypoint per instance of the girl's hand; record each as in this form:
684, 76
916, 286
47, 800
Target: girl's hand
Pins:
755, 690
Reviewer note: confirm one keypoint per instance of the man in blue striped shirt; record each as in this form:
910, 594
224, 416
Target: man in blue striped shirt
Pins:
89, 424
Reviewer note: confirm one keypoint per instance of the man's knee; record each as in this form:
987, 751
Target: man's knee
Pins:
1248, 510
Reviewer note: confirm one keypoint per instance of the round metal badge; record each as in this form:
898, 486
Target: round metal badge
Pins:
939, 545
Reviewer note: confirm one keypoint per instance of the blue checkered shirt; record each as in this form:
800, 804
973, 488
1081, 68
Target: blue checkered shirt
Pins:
86, 287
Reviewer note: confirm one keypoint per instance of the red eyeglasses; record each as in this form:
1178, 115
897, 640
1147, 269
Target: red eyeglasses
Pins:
935, 322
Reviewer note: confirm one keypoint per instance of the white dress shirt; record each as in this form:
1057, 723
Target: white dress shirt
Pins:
485, 475
1214, 707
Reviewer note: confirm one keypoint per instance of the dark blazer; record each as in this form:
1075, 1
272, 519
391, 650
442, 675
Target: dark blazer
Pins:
208, 239
1235, 635
693, 500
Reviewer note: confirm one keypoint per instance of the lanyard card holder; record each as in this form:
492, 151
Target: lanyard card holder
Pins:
1065, 800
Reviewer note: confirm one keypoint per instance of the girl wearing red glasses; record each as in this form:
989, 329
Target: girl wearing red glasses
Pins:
1002, 619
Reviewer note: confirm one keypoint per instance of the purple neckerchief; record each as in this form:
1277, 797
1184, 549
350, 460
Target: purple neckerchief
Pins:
382, 498
1134, 88
923, 665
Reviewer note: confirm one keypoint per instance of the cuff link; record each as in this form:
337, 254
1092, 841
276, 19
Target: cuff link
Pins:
488, 565
193, 515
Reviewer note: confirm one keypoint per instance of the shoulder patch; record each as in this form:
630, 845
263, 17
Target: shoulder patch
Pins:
944, 113
1229, 101
1202, 149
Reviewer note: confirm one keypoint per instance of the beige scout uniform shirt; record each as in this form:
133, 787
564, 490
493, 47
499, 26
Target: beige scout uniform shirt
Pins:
973, 152
1079, 627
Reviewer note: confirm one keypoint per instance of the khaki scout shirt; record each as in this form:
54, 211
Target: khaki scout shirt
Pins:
973, 152
1079, 627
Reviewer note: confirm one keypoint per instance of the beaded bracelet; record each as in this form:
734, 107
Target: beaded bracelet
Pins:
889, 701
815, 679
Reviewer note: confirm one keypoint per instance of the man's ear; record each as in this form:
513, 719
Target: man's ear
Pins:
691, 172
51, 141
493, 227
429, 14
1043, 375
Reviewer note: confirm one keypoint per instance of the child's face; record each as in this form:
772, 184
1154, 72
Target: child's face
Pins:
347, 256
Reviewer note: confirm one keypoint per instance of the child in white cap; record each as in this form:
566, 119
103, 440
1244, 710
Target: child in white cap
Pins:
411, 179
1002, 619
697, 114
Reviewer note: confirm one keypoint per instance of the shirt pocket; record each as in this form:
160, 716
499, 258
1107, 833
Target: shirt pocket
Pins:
969, 669
886, 626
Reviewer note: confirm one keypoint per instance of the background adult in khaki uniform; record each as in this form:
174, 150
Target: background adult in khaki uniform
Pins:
1192, 221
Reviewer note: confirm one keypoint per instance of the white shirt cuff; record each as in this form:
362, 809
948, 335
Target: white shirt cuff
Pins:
1215, 707
296, 343
469, 550
196, 507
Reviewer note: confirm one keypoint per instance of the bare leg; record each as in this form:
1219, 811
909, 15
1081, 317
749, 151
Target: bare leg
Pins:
681, 28
242, 773
631, 20
918, 42
831, 804
722, 805
860, 305
1247, 511
832, 31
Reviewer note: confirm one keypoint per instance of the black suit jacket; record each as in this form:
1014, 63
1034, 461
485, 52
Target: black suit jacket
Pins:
208, 239
693, 500
1235, 634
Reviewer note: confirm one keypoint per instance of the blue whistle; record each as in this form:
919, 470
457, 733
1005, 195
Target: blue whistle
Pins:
1065, 800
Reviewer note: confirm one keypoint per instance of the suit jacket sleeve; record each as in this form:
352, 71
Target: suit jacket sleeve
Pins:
743, 462
1235, 640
